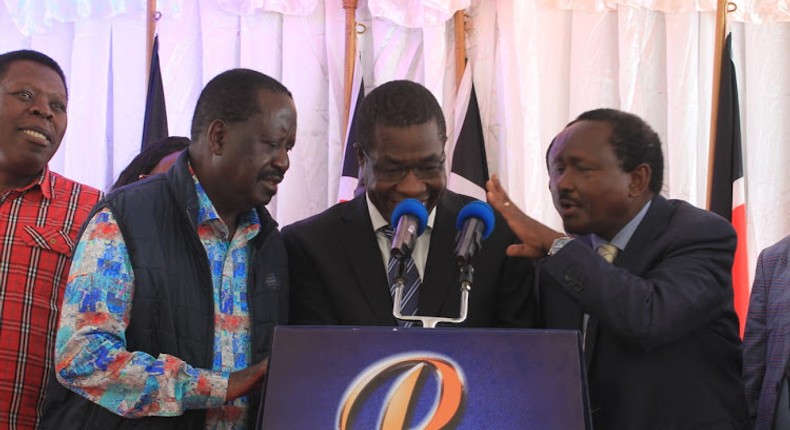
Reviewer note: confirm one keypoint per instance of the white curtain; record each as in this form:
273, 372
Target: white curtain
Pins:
536, 65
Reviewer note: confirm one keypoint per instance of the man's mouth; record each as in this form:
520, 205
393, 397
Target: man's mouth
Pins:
37, 134
272, 181
424, 201
568, 206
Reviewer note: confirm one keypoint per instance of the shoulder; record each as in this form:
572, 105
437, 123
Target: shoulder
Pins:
450, 204
324, 221
695, 221
774, 262
454, 201
66, 188
778, 250
139, 191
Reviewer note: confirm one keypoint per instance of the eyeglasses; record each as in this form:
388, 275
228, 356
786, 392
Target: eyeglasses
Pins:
395, 173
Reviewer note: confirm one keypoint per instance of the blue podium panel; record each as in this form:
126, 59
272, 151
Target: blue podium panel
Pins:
352, 378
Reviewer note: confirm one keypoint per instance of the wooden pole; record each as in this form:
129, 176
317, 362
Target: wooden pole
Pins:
718, 55
350, 7
460, 46
150, 30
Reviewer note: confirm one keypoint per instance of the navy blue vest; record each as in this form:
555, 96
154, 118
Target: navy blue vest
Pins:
172, 307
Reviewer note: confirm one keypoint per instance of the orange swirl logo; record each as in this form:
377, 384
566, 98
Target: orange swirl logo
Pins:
409, 373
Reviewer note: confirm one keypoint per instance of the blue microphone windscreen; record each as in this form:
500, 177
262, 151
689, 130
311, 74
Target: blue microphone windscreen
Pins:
414, 208
480, 210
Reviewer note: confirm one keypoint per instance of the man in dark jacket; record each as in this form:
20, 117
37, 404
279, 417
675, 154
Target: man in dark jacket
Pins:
645, 279
178, 280
339, 259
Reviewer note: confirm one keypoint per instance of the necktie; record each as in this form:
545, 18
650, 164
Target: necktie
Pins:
411, 281
609, 253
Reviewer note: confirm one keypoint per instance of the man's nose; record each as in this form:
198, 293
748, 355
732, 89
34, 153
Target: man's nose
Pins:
282, 161
41, 107
563, 181
411, 185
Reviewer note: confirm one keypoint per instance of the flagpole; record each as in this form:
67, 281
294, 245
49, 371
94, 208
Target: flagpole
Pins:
150, 30
720, 35
350, 7
460, 46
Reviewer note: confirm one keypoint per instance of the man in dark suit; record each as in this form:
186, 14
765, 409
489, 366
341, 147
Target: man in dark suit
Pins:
338, 259
646, 280
766, 343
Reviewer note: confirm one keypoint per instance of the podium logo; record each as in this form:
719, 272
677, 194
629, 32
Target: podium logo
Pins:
419, 386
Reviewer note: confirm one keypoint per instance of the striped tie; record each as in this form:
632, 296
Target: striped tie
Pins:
609, 253
411, 281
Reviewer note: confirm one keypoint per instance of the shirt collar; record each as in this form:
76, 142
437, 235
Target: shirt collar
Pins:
207, 213
378, 220
621, 239
43, 181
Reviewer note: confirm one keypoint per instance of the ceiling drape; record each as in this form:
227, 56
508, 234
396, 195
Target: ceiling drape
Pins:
535, 64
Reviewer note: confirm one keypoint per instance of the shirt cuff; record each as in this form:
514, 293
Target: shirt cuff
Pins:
207, 389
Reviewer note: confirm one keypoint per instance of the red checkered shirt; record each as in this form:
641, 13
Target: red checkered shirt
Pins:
38, 229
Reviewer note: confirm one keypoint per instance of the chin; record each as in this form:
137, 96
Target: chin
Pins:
571, 228
264, 201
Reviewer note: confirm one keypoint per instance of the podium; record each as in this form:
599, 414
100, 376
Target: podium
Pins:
333, 377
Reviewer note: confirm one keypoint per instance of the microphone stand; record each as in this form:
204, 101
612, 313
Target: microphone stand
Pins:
467, 272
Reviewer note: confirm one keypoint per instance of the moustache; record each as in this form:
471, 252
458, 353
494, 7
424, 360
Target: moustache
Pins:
565, 198
271, 175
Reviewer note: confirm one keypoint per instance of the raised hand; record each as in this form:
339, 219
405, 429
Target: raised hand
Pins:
536, 238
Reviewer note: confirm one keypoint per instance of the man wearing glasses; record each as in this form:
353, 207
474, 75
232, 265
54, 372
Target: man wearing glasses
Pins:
338, 260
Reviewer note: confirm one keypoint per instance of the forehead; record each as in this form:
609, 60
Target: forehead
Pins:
405, 142
27, 72
277, 108
583, 138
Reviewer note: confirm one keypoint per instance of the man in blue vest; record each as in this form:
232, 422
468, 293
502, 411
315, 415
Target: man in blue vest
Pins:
179, 279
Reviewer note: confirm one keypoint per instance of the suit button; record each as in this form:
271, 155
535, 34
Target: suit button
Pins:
574, 282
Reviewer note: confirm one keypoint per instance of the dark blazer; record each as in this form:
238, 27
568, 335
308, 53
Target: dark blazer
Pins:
766, 343
663, 350
338, 276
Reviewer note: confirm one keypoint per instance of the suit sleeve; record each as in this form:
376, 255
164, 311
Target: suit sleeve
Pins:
686, 286
309, 302
516, 298
755, 338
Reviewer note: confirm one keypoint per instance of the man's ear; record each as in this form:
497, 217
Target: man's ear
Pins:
640, 180
360, 155
216, 132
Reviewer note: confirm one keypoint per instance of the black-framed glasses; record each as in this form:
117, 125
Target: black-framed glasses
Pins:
396, 173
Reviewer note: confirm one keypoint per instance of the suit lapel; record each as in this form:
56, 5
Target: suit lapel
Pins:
363, 255
652, 226
441, 272
632, 257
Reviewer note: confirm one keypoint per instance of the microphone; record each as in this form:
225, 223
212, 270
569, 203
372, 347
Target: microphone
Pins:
410, 218
475, 222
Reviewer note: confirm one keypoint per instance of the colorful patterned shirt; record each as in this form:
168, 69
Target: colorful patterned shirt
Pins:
91, 355
39, 225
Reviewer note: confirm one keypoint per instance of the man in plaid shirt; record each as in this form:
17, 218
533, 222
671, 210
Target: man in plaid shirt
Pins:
41, 213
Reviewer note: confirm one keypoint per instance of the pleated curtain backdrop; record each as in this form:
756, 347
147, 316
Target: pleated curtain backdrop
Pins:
536, 65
